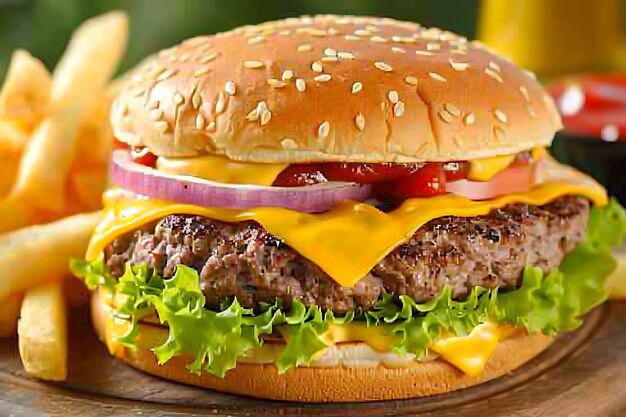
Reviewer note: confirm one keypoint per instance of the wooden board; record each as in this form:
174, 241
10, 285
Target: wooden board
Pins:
582, 374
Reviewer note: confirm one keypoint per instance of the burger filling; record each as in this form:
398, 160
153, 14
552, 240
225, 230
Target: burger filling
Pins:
245, 261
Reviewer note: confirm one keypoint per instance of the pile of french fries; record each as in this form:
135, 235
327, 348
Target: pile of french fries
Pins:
55, 143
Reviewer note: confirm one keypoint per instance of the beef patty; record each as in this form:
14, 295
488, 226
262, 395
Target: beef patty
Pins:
246, 261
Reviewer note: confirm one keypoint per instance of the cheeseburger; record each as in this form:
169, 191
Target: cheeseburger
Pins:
340, 208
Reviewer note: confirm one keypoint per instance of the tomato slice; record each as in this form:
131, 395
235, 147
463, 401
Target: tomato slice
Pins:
518, 178
297, 175
428, 181
367, 173
144, 157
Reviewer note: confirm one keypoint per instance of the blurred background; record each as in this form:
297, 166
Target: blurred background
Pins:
44, 26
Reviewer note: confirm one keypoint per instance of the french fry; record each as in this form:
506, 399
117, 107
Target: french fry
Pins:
13, 137
46, 161
42, 333
15, 214
91, 58
25, 94
9, 314
39, 254
85, 68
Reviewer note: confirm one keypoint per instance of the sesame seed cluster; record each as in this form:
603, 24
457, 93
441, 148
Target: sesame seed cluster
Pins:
328, 88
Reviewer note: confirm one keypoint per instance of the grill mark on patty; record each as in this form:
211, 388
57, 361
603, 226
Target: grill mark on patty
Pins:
246, 261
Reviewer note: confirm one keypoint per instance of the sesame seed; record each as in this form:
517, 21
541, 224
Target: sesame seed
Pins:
458, 51
383, 66
196, 100
458, 66
200, 121
266, 115
524, 91
500, 115
452, 109
423, 53
431, 46
323, 130
253, 64
362, 32
220, 104
345, 55
208, 58
494, 75
398, 50
322, 78
445, 116
202, 71
330, 59
372, 28
255, 40
276, 83
352, 38
253, 115
531, 74
437, 77
356, 87
410, 80
330, 52
469, 119
156, 114
287, 75
393, 96
318, 33
179, 99
304, 47
402, 39
317, 66
167, 74
300, 84
288, 143
161, 126
284, 33
531, 111
261, 107
378, 39
211, 127
359, 121
494, 66
398, 109
230, 87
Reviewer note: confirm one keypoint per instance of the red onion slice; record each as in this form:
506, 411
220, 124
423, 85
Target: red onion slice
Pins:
190, 190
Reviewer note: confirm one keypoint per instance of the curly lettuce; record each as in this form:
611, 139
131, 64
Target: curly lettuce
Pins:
216, 339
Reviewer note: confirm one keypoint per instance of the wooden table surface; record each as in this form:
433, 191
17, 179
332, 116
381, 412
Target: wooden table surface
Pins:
582, 374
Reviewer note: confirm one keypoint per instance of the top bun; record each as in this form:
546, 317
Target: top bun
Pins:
333, 88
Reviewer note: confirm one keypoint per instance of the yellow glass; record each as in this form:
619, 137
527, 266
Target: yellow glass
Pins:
553, 37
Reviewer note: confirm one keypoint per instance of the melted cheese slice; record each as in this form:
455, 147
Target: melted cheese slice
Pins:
221, 169
469, 353
485, 169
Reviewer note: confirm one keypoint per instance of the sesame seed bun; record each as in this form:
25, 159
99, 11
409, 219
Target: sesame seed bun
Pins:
334, 88
316, 384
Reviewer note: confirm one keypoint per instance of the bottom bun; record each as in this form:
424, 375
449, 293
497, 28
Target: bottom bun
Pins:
339, 384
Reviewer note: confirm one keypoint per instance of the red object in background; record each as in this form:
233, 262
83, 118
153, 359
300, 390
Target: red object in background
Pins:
593, 105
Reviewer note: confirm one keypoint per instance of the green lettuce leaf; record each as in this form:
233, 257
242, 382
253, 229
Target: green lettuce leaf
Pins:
216, 339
